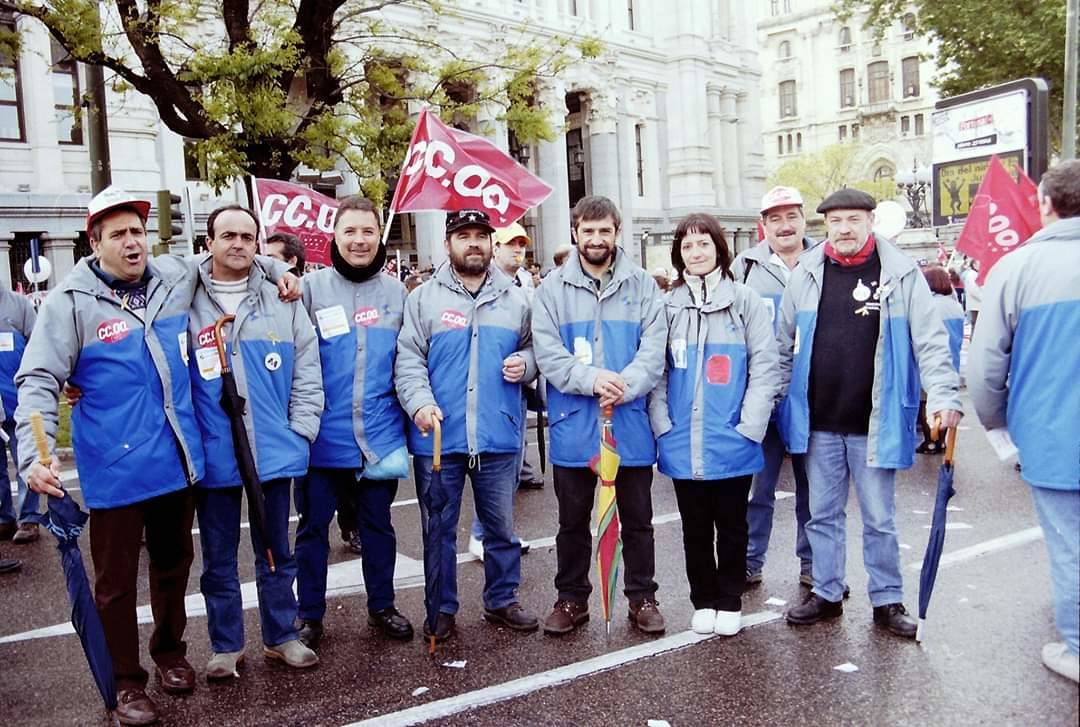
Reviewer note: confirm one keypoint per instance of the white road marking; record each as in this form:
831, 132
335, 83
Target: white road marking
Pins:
442, 708
1012, 540
952, 526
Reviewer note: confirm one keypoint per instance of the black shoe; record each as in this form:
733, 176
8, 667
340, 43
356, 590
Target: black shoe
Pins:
10, 565
311, 631
512, 616
814, 609
894, 617
444, 628
353, 545
531, 485
392, 623
807, 581
7, 530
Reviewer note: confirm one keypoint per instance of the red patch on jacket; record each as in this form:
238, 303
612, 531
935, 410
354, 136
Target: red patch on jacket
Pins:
206, 338
718, 369
113, 330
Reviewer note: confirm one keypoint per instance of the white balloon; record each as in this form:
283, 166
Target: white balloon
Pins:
44, 270
889, 218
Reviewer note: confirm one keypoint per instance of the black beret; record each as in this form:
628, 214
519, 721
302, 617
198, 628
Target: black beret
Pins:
847, 199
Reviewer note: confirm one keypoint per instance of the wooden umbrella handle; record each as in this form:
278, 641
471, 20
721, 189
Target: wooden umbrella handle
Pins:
41, 442
950, 445
436, 457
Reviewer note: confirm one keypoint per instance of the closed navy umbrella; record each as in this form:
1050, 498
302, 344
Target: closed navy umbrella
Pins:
936, 543
66, 521
435, 500
234, 406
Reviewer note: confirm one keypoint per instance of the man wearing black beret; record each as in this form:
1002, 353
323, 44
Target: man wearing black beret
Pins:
858, 332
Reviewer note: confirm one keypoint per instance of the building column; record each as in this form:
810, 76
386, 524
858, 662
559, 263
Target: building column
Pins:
39, 112
752, 158
551, 166
729, 132
5, 259
60, 251
603, 145
627, 171
716, 141
430, 234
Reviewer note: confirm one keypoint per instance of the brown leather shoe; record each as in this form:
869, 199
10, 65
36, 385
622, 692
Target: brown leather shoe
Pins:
27, 533
135, 708
566, 616
177, 678
7, 530
645, 616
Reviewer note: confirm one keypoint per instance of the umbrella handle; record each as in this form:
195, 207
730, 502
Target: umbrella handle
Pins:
219, 341
950, 446
41, 442
436, 456
608, 411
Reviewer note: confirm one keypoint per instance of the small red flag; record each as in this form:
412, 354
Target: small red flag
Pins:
942, 254
293, 208
446, 169
999, 220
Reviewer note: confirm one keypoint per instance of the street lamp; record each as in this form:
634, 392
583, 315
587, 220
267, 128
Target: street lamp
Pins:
915, 185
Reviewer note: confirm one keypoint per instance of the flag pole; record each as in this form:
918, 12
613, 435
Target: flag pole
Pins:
255, 204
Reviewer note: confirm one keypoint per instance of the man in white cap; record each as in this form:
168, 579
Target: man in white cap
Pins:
766, 268
116, 329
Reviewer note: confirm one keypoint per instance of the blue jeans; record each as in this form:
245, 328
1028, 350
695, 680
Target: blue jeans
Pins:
494, 478
219, 534
27, 500
759, 512
831, 459
316, 500
1059, 515
523, 467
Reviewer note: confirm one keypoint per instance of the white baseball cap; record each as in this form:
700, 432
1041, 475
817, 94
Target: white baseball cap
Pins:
780, 197
109, 199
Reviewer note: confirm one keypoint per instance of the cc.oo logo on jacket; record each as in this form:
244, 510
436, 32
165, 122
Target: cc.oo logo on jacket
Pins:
206, 338
113, 330
454, 319
366, 316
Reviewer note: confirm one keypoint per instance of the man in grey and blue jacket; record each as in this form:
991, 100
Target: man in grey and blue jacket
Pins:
17, 317
463, 353
767, 268
1022, 375
858, 331
275, 360
600, 334
360, 452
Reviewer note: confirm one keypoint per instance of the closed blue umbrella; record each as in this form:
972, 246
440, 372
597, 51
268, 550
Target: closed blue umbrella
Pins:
435, 500
936, 543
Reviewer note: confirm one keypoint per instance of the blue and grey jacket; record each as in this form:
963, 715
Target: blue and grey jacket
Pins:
576, 333
17, 317
952, 315
912, 341
712, 406
756, 268
357, 325
450, 354
1024, 354
134, 430
275, 361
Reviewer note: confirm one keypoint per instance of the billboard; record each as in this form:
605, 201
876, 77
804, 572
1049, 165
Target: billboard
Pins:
1009, 120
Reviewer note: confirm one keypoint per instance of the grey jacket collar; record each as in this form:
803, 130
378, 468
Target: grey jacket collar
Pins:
494, 285
1067, 229
722, 296
623, 269
894, 263
762, 253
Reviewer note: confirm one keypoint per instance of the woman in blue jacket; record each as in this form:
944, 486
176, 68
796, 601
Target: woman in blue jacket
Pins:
710, 412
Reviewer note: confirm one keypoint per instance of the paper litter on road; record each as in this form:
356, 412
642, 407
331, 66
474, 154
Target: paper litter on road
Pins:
658, 723
456, 664
920, 512
847, 667
419, 690
905, 546
963, 600
953, 526
954, 508
1002, 443
774, 601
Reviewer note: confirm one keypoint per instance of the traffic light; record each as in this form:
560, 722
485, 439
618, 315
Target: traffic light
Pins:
170, 215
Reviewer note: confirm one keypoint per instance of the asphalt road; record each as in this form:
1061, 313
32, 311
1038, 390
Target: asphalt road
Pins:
979, 663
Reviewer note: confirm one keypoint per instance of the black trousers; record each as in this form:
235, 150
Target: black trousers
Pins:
115, 536
714, 520
574, 489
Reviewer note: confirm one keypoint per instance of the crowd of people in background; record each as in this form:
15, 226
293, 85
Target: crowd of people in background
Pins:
713, 375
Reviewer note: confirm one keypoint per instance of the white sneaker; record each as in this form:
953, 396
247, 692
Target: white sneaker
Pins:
476, 547
727, 623
1058, 658
223, 666
703, 620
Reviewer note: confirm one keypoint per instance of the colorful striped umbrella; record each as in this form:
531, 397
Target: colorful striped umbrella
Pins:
609, 549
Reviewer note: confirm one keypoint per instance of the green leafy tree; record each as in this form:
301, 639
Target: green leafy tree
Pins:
818, 175
263, 87
980, 44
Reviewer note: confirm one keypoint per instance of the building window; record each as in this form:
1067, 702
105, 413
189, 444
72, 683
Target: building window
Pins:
905, 125
798, 141
785, 49
919, 128
908, 23
845, 39
630, 19
65, 81
573, 7
775, 6
639, 155
854, 131
878, 73
788, 107
12, 127
910, 73
884, 171
780, 145
847, 88
843, 132
789, 148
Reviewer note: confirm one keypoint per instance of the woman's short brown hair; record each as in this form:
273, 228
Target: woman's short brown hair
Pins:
701, 223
